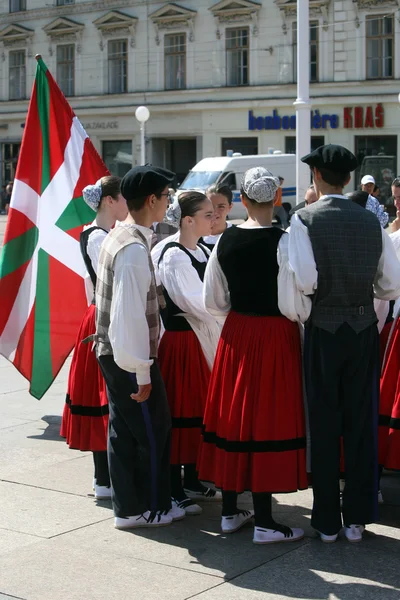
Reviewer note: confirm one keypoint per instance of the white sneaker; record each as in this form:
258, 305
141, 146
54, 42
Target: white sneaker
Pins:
176, 513
191, 509
235, 522
206, 495
102, 492
354, 533
271, 536
380, 497
327, 539
147, 519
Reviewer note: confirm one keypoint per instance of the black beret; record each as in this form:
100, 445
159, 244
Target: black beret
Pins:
333, 158
143, 181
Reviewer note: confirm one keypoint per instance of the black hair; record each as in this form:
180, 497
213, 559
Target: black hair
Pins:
190, 203
138, 203
396, 182
359, 197
334, 178
281, 178
222, 189
110, 186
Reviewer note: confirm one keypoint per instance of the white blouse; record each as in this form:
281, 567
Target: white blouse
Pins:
95, 241
185, 288
129, 331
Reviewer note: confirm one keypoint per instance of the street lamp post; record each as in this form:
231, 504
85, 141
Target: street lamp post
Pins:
142, 114
302, 104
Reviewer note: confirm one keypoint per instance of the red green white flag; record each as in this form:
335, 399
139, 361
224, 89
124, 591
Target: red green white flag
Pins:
42, 295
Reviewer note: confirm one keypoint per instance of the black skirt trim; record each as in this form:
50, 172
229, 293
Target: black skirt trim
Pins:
187, 422
87, 411
254, 446
385, 421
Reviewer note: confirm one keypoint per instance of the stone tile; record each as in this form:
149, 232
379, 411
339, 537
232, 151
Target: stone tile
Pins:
320, 572
195, 544
7, 421
3, 597
59, 570
45, 513
12, 540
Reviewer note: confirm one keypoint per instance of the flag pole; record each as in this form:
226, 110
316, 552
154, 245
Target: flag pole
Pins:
302, 104
38, 57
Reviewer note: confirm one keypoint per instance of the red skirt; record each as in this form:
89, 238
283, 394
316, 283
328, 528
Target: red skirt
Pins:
389, 406
186, 377
85, 418
254, 429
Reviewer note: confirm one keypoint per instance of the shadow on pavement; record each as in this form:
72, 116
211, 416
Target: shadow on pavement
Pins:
52, 431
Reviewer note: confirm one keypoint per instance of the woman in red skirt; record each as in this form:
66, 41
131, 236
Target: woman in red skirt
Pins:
254, 428
85, 418
187, 348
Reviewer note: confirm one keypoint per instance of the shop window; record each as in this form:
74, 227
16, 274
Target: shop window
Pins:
175, 61
117, 156
17, 5
314, 43
66, 69
245, 146
380, 47
377, 156
290, 143
9, 160
237, 56
17, 75
117, 66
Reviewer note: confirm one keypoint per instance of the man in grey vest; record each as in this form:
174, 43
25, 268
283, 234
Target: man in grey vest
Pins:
128, 304
342, 258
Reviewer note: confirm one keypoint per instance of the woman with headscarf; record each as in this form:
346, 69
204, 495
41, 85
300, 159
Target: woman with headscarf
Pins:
254, 431
85, 419
187, 348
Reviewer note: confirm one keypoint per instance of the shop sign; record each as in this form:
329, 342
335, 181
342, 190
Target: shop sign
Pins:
361, 117
275, 121
101, 125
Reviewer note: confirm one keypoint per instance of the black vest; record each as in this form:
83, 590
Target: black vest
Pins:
347, 244
83, 240
172, 315
248, 260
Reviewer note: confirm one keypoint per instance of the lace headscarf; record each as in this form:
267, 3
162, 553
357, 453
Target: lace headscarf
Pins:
260, 185
92, 195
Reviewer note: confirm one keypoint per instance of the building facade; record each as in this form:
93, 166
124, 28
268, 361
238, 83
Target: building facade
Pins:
216, 76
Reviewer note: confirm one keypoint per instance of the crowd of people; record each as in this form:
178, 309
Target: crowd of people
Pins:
216, 359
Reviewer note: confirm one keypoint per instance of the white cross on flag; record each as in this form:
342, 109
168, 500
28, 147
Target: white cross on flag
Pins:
42, 294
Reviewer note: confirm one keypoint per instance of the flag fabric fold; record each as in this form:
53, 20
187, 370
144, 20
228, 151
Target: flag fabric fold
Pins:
42, 294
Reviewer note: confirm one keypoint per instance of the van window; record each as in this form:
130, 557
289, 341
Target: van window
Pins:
199, 180
228, 179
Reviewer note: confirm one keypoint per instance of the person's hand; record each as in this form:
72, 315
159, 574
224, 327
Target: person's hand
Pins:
143, 393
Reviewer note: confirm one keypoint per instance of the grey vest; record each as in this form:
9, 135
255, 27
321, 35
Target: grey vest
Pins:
347, 244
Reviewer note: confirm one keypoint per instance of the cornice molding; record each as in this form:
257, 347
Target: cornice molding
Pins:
236, 12
67, 10
172, 17
114, 24
318, 8
64, 30
16, 36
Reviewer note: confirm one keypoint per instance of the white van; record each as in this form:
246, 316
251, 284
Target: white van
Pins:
230, 170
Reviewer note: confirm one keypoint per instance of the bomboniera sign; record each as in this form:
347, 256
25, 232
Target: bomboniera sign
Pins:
353, 117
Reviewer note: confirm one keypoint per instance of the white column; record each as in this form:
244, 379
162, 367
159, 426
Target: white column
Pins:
302, 104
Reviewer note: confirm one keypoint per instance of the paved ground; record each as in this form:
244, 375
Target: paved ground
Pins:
58, 543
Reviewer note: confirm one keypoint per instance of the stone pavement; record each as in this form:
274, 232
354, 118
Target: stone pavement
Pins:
58, 543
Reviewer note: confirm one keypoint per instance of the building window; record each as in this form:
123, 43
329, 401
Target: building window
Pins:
117, 156
117, 67
175, 61
314, 33
9, 160
380, 47
64, 2
17, 5
290, 143
66, 69
237, 56
17, 74
243, 145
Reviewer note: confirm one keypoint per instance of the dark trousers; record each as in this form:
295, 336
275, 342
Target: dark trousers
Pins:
342, 383
138, 442
101, 472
